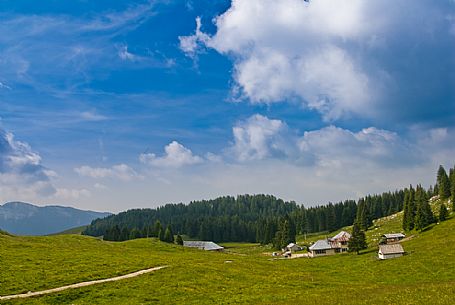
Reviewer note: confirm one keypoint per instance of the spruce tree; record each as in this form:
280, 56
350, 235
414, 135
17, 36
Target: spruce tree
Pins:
179, 240
135, 233
157, 228
362, 215
409, 209
161, 234
357, 241
443, 212
444, 183
168, 235
452, 187
424, 214
406, 211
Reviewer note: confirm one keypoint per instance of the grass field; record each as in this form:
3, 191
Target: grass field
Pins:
76, 230
425, 276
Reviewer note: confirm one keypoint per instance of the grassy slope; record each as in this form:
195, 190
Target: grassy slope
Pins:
425, 276
76, 230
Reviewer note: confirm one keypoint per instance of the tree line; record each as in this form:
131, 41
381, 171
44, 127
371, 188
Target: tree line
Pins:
266, 219
246, 218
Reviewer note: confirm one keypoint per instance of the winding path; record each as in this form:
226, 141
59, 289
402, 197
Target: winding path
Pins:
78, 285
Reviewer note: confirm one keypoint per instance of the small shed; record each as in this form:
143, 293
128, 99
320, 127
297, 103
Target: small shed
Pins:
390, 251
393, 237
203, 245
292, 247
320, 248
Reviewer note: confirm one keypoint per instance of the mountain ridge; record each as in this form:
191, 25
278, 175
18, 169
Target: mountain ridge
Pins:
23, 218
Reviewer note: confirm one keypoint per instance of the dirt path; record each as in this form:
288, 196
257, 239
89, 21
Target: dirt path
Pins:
78, 285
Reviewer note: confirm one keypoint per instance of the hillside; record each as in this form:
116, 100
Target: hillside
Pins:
424, 276
26, 219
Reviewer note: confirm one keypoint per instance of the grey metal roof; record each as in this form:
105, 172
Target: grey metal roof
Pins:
321, 244
343, 235
203, 245
391, 249
394, 235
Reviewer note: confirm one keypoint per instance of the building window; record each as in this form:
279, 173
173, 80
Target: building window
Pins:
320, 251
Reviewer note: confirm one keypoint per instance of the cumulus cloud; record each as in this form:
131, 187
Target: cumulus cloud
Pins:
175, 155
334, 147
190, 45
72, 194
21, 171
259, 137
338, 57
120, 171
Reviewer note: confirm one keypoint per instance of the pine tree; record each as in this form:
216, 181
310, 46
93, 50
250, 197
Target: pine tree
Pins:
135, 233
285, 234
405, 211
161, 234
168, 235
362, 217
444, 183
357, 241
179, 240
409, 209
331, 218
424, 215
157, 228
452, 187
443, 212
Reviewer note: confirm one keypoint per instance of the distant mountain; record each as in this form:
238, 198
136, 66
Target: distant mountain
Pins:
27, 219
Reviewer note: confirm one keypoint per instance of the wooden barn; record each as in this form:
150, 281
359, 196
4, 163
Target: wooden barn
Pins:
390, 251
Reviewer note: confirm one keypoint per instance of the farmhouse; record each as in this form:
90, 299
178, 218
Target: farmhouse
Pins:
320, 248
203, 245
330, 246
390, 251
340, 241
393, 237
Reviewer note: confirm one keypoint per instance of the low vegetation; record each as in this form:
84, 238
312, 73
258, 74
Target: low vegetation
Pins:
243, 274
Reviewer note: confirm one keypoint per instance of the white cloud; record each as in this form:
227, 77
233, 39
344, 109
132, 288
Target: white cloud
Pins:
337, 148
4, 86
120, 171
22, 174
92, 116
190, 45
259, 137
71, 194
176, 155
100, 186
336, 57
125, 55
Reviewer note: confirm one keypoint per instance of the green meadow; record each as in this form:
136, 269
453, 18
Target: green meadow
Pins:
242, 274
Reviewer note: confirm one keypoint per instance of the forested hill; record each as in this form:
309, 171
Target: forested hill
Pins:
252, 218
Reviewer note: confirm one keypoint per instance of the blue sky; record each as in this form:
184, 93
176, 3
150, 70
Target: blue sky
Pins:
110, 105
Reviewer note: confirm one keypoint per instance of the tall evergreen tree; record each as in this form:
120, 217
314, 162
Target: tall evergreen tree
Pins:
444, 183
424, 214
452, 187
362, 217
179, 240
135, 233
157, 228
168, 235
161, 234
410, 210
406, 211
358, 240
443, 212
285, 234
